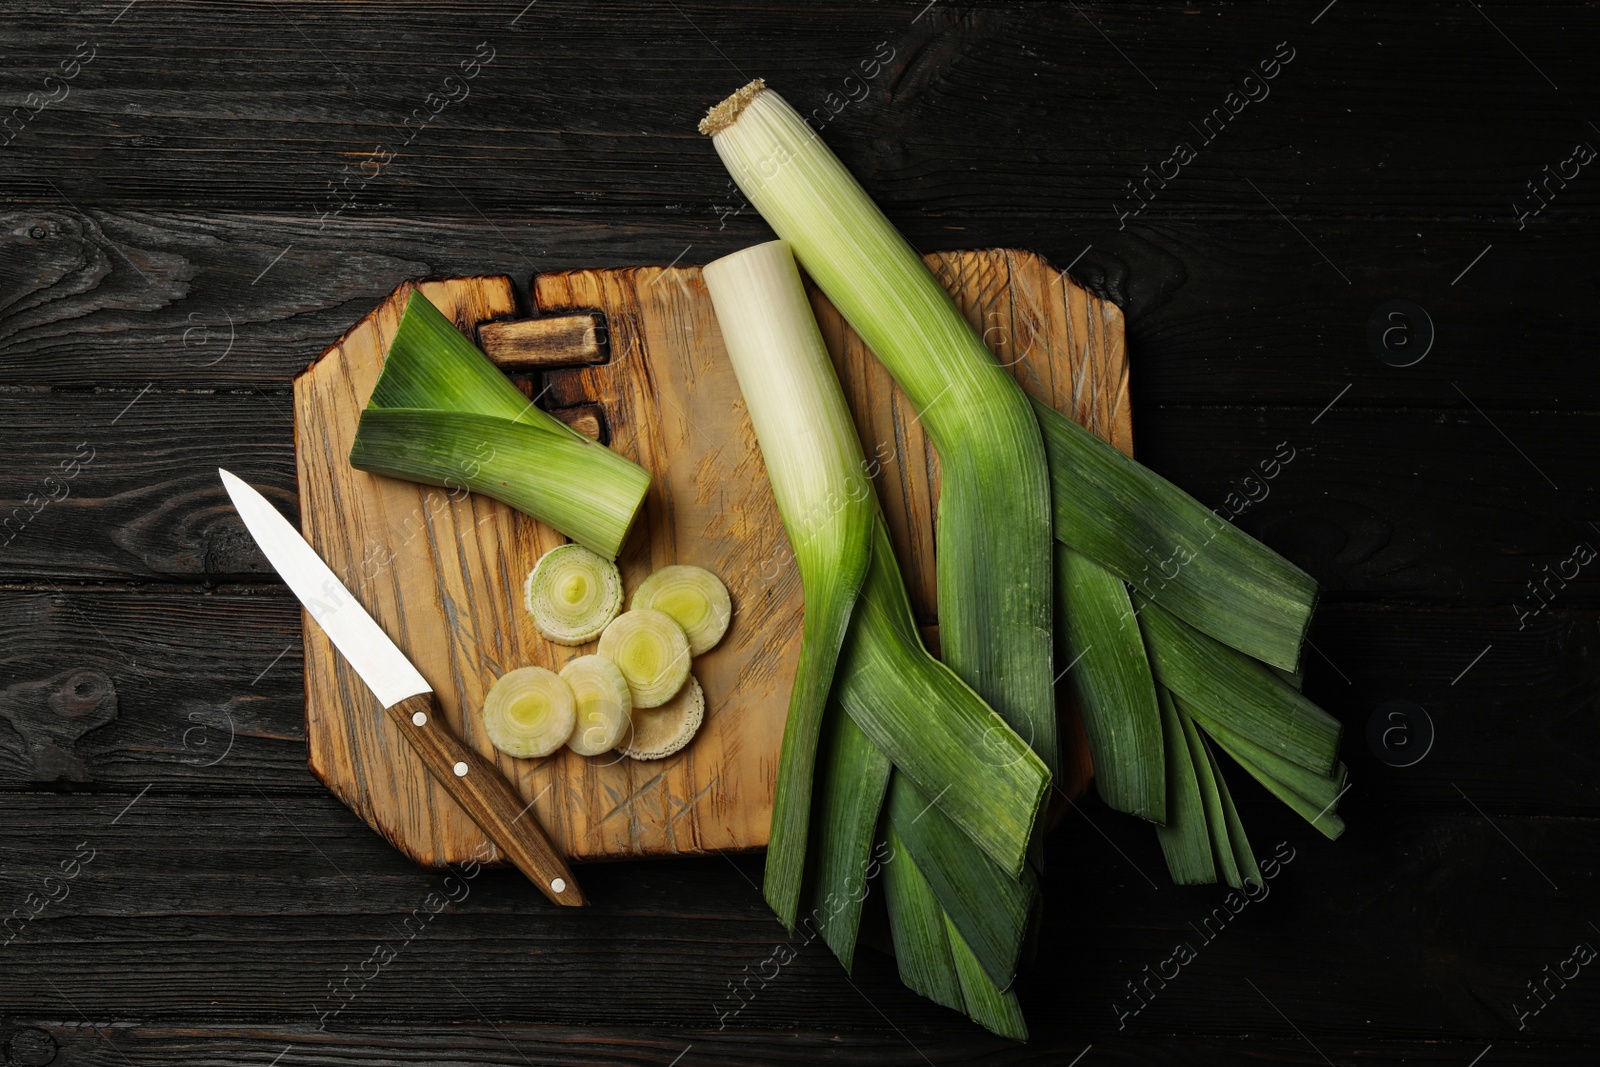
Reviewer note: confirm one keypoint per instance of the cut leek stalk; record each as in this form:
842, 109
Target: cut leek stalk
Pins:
994, 522
652, 653
694, 597
572, 594
1223, 685
1107, 667
658, 732
529, 712
443, 414
1171, 548
603, 703
812, 456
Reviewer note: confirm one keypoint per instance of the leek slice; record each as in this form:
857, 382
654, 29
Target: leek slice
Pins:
658, 732
572, 594
603, 703
443, 414
1173, 549
652, 653
1106, 664
994, 521
793, 398
694, 597
529, 712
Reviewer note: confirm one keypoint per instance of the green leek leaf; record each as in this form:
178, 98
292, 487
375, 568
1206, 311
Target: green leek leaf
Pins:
1171, 548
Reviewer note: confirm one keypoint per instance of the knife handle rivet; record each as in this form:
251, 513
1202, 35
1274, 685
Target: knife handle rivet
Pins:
419, 718
559, 885
461, 769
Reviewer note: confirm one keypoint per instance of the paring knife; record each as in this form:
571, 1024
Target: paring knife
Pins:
474, 782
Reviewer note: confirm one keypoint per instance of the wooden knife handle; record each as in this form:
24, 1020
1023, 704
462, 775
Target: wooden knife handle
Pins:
478, 786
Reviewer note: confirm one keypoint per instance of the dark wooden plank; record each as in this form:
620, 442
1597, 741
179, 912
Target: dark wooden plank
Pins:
516, 1045
122, 688
279, 896
1219, 311
258, 110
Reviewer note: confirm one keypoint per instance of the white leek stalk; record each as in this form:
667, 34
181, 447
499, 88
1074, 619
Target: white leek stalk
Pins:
813, 457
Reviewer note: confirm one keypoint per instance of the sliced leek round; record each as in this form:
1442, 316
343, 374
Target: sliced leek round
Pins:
529, 712
572, 594
694, 597
604, 703
652, 653
660, 731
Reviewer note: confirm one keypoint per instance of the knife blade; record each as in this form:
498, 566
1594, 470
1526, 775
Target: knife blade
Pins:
472, 780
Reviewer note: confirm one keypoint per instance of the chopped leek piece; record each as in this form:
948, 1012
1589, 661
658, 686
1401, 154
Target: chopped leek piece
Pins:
1109, 671
1174, 550
652, 653
603, 703
443, 414
994, 520
812, 456
529, 712
660, 731
694, 597
572, 594
1223, 685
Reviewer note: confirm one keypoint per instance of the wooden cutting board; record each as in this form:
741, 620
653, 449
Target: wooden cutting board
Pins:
634, 358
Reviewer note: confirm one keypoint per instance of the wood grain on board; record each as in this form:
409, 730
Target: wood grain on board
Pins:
444, 576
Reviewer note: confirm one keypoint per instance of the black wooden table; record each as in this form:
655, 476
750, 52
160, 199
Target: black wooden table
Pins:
214, 191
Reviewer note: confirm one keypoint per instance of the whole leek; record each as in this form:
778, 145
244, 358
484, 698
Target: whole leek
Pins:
994, 528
